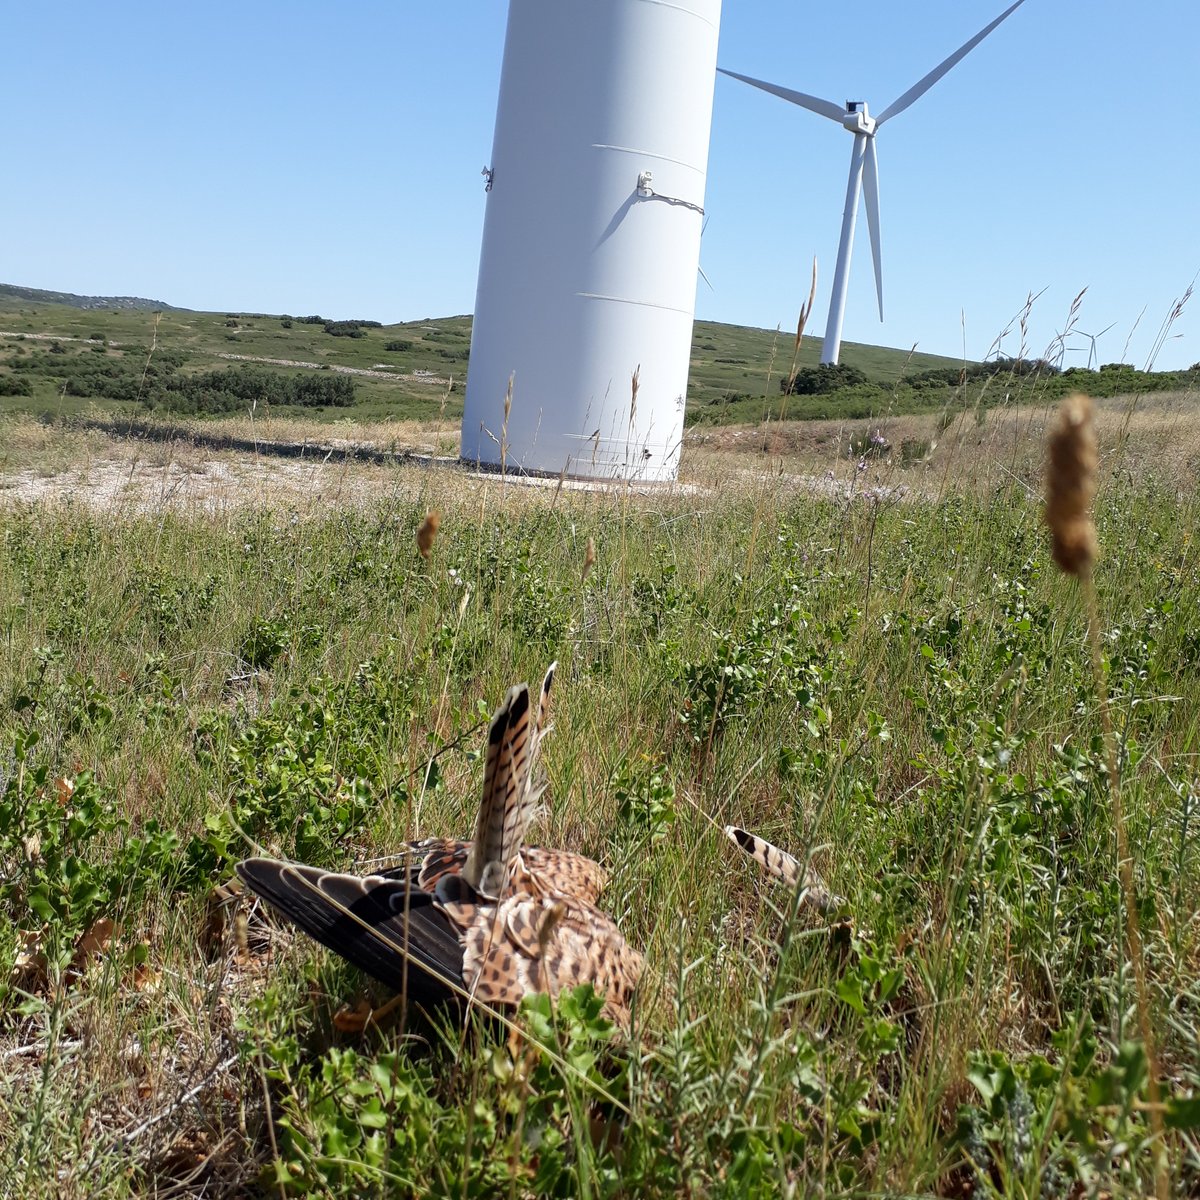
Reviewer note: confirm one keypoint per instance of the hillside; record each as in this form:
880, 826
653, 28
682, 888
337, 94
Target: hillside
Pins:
412, 369
63, 354
12, 295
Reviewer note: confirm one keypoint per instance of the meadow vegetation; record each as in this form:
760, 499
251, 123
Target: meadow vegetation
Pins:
860, 650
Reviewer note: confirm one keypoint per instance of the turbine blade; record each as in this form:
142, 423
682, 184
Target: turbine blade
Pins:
824, 108
871, 196
706, 279
919, 89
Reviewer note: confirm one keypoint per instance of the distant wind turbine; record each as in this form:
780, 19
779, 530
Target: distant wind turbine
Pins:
864, 168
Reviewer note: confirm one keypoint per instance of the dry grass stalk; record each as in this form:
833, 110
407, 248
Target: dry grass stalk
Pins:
801, 322
1074, 460
1071, 487
427, 531
589, 560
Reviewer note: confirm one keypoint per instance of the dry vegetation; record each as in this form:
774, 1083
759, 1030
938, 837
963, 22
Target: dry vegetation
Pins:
299, 462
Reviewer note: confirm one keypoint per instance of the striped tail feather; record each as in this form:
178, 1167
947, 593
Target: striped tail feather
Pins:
532, 785
497, 837
785, 867
542, 727
510, 793
382, 926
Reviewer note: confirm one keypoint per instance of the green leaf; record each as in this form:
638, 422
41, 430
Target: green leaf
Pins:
39, 901
850, 990
1182, 1112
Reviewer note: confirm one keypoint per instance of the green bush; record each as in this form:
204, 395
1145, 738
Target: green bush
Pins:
15, 385
349, 329
822, 380
236, 388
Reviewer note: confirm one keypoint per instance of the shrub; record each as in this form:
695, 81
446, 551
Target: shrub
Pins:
238, 387
344, 329
15, 385
398, 346
820, 381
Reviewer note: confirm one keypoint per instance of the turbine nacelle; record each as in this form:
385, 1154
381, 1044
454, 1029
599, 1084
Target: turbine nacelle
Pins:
857, 119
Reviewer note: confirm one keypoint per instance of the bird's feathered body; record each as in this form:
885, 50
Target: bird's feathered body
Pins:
550, 871
489, 920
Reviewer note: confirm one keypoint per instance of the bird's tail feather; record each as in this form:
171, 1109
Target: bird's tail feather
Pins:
784, 866
510, 793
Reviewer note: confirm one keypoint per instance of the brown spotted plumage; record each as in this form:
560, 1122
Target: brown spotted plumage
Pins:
488, 921
537, 870
783, 866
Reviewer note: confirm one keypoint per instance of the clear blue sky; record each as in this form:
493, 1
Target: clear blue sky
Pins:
310, 157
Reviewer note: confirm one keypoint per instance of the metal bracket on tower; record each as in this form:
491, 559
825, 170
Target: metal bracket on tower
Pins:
489, 174
646, 192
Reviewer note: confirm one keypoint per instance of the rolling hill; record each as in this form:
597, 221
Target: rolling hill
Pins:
414, 369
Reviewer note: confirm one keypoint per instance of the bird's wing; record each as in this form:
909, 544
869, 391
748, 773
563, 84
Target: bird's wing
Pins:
440, 857
562, 872
381, 925
539, 731
510, 789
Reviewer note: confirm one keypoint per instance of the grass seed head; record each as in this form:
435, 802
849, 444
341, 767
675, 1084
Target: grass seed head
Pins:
427, 531
1071, 486
589, 559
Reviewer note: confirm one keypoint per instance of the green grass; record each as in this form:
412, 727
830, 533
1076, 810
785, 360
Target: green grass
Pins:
901, 690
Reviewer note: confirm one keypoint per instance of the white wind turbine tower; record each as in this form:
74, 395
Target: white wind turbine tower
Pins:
864, 169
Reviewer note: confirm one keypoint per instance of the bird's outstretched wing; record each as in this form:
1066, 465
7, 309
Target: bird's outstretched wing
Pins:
497, 832
382, 926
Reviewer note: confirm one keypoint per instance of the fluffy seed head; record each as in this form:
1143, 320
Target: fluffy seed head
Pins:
589, 559
1073, 461
427, 531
